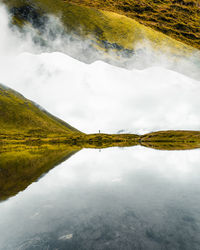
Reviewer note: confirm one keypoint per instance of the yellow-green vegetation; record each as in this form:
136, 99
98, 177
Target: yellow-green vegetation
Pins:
171, 140
172, 135
23, 122
107, 28
179, 19
21, 118
23, 164
20, 165
109, 140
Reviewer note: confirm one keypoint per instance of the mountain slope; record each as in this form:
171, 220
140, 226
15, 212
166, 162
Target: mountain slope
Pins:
18, 115
110, 30
179, 19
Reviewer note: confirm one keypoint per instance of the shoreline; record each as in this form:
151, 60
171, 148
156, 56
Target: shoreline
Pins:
164, 140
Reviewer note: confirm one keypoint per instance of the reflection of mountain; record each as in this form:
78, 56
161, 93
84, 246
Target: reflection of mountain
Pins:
21, 165
18, 115
171, 145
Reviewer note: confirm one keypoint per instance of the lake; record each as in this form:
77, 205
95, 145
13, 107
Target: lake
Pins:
115, 198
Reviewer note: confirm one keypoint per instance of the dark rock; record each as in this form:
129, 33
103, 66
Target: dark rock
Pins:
30, 14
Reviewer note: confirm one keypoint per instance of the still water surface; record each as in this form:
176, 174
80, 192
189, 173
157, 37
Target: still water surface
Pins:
117, 198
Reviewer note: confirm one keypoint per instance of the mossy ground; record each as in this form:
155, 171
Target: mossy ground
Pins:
179, 19
117, 31
171, 140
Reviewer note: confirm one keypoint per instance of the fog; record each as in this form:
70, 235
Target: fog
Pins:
99, 96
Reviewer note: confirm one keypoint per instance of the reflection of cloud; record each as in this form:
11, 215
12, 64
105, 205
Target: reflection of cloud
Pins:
66, 237
158, 194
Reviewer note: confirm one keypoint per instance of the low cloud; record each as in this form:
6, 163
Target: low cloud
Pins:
98, 95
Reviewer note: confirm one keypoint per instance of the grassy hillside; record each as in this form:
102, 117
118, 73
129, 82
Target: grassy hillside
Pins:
171, 140
18, 115
22, 121
179, 19
110, 30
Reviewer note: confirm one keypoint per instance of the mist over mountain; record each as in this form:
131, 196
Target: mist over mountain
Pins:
98, 95
90, 34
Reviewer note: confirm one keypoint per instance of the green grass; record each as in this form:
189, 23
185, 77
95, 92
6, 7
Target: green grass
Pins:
171, 140
23, 122
21, 118
179, 19
104, 26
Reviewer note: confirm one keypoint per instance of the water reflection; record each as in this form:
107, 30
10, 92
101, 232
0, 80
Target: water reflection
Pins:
20, 165
119, 198
167, 145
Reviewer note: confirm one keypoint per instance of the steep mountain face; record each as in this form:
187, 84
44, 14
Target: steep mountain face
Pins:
179, 19
18, 115
108, 29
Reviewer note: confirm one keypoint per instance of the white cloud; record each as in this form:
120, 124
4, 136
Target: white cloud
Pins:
99, 95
